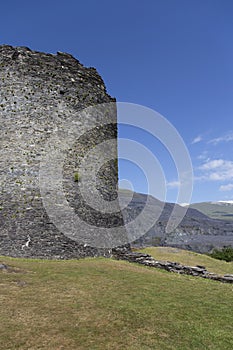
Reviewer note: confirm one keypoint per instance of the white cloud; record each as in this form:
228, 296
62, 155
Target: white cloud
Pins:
217, 170
213, 164
173, 184
225, 138
203, 156
227, 187
197, 139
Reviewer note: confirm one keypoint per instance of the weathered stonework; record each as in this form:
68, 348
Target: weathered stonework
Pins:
38, 92
148, 260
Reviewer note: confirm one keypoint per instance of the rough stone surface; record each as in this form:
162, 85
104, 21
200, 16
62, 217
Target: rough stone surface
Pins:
148, 260
38, 92
3, 267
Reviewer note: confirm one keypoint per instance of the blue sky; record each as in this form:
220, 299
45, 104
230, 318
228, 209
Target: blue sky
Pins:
174, 56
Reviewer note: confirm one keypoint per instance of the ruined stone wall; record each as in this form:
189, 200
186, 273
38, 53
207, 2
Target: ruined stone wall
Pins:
38, 92
148, 260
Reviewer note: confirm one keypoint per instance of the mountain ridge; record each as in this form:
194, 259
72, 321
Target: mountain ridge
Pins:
197, 231
222, 210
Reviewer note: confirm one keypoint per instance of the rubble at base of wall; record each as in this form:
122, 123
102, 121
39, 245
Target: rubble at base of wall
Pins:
148, 260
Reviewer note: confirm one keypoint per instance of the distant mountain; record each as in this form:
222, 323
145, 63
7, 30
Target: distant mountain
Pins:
222, 210
197, 231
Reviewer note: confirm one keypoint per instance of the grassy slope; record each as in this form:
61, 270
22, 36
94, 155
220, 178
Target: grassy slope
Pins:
190, 258
216, 211
106, 304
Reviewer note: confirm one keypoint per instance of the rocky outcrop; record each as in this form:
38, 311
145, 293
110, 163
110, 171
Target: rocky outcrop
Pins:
148, 260
196, 232
39, 93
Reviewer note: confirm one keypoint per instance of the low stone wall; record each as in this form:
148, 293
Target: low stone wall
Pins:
148, 260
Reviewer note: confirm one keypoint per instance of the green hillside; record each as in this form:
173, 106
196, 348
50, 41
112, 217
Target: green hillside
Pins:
107, 304
218, 210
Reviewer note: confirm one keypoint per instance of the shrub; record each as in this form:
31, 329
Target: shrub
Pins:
225, 254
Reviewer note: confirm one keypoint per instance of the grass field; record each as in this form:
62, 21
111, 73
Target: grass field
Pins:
106, 304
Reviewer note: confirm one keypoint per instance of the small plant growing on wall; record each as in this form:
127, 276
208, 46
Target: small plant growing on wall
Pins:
76, 177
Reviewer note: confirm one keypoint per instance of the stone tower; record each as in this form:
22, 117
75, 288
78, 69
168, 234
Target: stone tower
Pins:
38, 93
